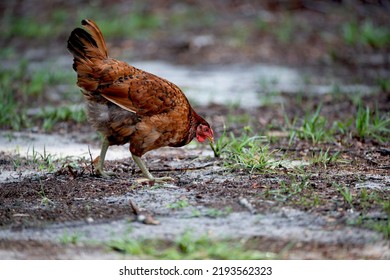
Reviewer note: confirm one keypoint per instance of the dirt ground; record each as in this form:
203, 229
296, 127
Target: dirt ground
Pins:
56, 208
43, 206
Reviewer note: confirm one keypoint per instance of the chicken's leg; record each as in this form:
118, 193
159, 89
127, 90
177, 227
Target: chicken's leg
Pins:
100, 164
146, 172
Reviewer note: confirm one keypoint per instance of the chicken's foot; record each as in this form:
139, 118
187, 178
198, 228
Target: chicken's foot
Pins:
100, 164
145, 171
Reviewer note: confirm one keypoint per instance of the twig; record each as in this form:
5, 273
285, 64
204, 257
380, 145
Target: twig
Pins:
142, 218
182, 169
245, 203
92, 165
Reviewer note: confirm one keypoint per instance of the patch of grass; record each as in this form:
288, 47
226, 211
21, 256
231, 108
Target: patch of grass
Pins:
21, 89
345, 193
366, 34
381, 225
30, 27
324, 158
343, 127
188, 247
288, 190
45, 201
384, 84
44, 162
183, 19
67, 238
215, 213
373, 125
249, 153
244, 152
180, 204
314, 129
220, 144
239, 34
285, 30
61, 114
12, 114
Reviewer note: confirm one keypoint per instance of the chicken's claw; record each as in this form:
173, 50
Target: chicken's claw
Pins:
105, 174
157, 180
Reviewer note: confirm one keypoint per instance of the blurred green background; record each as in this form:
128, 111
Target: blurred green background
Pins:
350, 39
295, 31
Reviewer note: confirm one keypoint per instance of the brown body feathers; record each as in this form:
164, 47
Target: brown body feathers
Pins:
128, 105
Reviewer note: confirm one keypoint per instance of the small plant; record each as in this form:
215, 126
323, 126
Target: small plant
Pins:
383, 227
180, 204
345, 193
372, 125
44, 162
220, 145
250, 153
288, 190
12, 114
324, 157
285, 30
187, 246
313, 129
215, 213
195, 213
343, 126
69, 238
52, 116
384, 84
366, 34
45, 201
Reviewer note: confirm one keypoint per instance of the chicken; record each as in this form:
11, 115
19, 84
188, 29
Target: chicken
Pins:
129, 105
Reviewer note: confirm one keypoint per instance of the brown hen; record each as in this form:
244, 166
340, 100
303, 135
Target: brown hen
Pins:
128, 105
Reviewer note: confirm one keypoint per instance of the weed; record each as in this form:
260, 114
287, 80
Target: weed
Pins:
343, 126
220, 145
316, 200
180, 204
188, 247
44, 162
372, 125
240, 34
382, 227
366, 34
195, 213
314, 128
285, 30
52, 116
12, 115
137, 23
345, 193
324, 158
384, 84
250, 153
215, 213
67, 238
381, 224
183, 18
45, 201
288, 190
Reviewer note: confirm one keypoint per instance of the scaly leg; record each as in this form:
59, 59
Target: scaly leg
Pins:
146, 172
100, 164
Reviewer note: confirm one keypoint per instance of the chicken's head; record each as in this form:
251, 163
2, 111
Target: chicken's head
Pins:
204, 131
